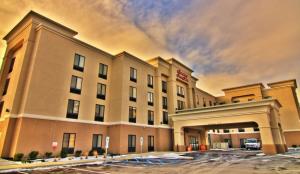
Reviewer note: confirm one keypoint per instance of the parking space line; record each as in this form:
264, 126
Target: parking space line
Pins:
91, 171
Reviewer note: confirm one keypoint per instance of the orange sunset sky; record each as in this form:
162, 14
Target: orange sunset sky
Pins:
227, 43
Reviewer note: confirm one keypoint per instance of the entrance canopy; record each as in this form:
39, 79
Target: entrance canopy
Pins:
264, 114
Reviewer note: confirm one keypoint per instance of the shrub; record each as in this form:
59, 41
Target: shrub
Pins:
78, 153
48, 154
32, 155
99, 150
294, 145
63, 153
18, 156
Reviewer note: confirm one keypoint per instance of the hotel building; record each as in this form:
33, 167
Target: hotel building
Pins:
56, 89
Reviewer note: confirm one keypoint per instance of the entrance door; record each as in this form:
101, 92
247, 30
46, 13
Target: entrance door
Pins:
194, 143
242, 143
150, 143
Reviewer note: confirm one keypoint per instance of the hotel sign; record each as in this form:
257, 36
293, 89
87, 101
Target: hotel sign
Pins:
182, 76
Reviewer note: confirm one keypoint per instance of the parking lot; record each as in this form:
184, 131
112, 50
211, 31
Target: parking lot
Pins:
210, 162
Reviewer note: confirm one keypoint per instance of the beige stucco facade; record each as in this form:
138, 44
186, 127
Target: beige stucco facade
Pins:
34, 111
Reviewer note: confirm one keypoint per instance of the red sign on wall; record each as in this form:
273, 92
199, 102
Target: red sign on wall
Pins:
182, 76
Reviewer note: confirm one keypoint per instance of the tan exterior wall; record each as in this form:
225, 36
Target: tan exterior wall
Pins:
39, 91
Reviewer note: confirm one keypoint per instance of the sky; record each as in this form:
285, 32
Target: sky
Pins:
226, 43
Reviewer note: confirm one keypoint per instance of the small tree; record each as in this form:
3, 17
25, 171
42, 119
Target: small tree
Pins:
48, 154
78, 153
63, 153
33, 155
18, 156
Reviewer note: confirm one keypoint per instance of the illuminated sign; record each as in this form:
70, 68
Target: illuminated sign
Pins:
182, 76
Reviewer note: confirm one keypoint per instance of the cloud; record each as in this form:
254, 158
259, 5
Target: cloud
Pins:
227, 43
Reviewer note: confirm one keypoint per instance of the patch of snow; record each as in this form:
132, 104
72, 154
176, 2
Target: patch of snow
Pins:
260, 154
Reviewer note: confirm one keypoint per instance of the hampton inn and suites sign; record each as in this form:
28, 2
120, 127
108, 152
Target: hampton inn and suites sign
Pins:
182, 76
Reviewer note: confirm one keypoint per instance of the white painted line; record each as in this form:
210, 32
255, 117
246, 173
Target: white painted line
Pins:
91, 171
115, 165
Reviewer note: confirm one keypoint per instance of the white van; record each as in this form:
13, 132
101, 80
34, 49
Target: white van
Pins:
252, 143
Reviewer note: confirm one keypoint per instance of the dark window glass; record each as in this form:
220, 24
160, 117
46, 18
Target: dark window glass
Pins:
73, 109
180, 104
150, 81
79, 62
97, 141
164, 86
133, 74
101, 91
150, 117
103, 71
164, 102
180, 91
76, 84
165, 117
69, 142
226, 130
241, 130
255, 129
150, 143
1, 107
6, 87
131, 143
132, 114
99, 112
132, 93
150, 98
11, 66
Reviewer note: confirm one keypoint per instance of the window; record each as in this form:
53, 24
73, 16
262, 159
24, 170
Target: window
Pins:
164, 102
150, 98
11, 66
1, 107
150, 117
69, 143
132, 114
226, 130
164, 86
204, 103
103, 71
180, 104
76, 84
241, 130
165, 117
79, 62
73, 109
97, 141
133, 74
150, 81
101, 91
255, 129
132, 93
131, 143
150, 143
210, 103
180, 91
6, 87
99, 112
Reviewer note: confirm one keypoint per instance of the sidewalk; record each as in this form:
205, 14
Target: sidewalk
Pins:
7, 165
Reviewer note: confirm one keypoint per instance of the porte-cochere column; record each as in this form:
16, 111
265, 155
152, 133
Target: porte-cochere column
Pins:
179, 139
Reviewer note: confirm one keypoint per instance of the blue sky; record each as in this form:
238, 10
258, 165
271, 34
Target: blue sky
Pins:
227, 43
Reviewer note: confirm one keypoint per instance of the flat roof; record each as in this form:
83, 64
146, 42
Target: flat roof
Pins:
284, 81
177, 61
227, 106
35, 14
244, 86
